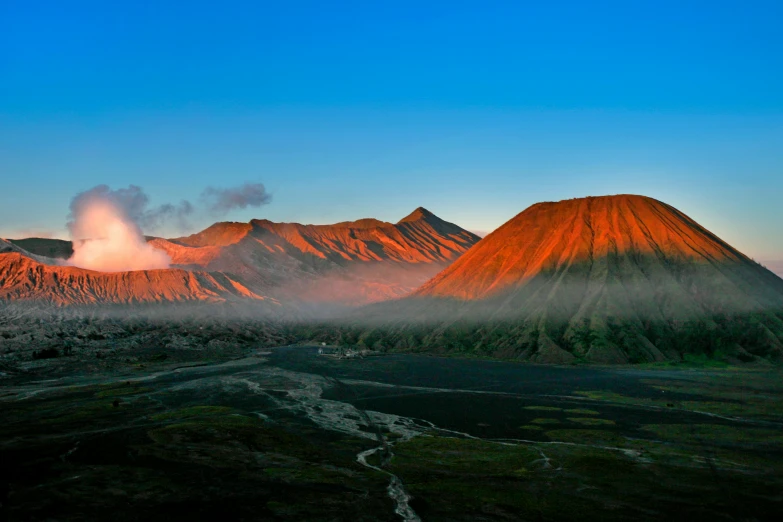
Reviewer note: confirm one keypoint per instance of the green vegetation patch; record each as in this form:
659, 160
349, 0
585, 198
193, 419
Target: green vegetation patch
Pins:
583, 436
462, 455
582, 411
122, 391
728, 395
545, 421
470, 479
591, 421
543, 408
91, 412
734, 393
232, 430
192, 411
310, 473
691, 360
717, 434
600, 395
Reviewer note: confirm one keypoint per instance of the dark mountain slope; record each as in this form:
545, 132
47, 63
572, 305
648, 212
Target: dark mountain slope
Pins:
54, 248
607, 279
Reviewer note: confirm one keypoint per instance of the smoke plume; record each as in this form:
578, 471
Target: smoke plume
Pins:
106, 234
106, 225
219, 201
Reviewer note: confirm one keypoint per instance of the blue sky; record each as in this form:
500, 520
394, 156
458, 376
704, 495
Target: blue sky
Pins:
345, 110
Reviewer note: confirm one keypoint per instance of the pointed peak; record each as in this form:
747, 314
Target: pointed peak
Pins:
222, 233
416, 215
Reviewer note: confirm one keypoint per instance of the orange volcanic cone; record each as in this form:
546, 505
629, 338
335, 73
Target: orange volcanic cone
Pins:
606, 279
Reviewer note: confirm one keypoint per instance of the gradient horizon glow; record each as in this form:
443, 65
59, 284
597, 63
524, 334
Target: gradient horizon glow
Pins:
346, 110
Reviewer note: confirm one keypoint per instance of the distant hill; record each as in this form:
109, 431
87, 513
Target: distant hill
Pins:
25, 278
346, 263
612, 279
54, 248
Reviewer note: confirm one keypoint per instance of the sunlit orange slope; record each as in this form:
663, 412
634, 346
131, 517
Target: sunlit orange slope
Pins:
352, 262
591, 234
421, 237
348, 263
24, 278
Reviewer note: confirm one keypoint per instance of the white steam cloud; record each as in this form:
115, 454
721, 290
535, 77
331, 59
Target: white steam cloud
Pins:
106, 237
106, 225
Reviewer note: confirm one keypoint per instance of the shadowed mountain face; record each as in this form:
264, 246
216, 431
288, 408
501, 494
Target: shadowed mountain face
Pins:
346, 263
54, 248
349, 263
607, 279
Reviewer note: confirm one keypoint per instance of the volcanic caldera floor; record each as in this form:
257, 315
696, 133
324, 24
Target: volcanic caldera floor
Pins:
286, 434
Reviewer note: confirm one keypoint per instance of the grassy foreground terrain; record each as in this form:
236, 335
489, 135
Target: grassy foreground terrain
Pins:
581, 468
235, 433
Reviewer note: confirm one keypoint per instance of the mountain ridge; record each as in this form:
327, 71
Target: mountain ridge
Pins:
347, 263
350, 262
23, 278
